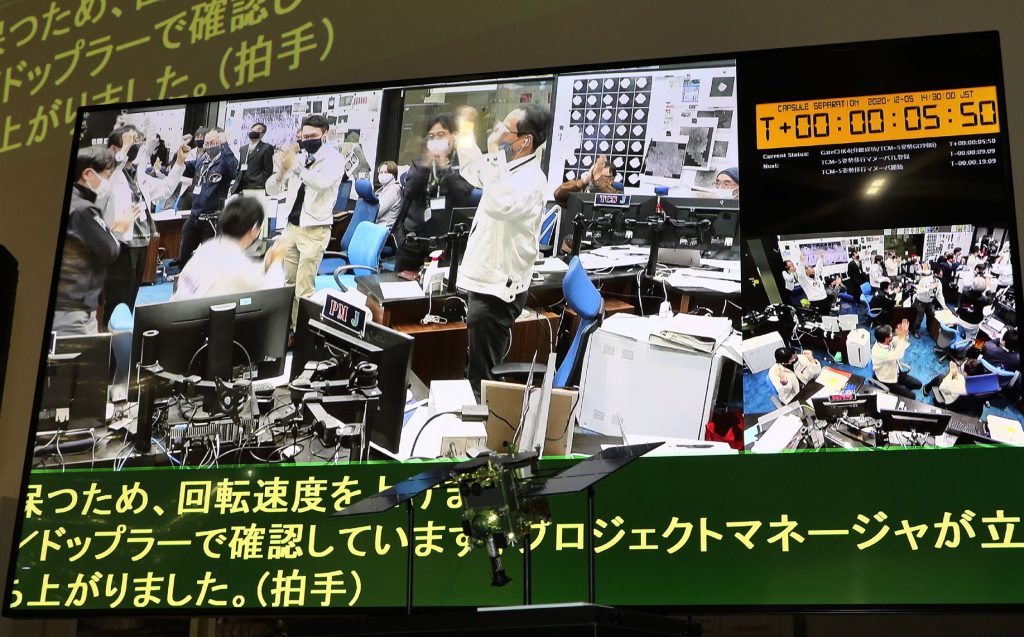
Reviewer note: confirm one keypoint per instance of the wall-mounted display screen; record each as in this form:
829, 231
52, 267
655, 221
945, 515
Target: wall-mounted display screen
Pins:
420, 328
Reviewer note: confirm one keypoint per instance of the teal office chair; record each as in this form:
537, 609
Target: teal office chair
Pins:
950, 343
366, 210
871, 314
363, 258
585, 300
549, 228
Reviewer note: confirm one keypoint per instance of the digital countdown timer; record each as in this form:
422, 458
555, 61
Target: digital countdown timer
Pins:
876, 118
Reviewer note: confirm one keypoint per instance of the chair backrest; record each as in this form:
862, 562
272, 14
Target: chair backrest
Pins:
982, 384
367, 241
946, 336
585, 300
366, 210
549, 225
865, 291
344, 190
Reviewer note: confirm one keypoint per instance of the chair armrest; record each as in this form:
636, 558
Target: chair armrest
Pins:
343, 268
518, 371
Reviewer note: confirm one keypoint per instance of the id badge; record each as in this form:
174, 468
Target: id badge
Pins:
437, 203
197, 189
242, 167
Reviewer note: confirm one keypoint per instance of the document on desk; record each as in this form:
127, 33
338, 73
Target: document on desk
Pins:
724, 275
392, 290
684, 281
692, 333
551, 265
833, 379
778, 436
591, 261
1006, 431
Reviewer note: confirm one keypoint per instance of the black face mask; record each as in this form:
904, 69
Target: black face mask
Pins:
195, 143
311, 145
133, 152
253, 135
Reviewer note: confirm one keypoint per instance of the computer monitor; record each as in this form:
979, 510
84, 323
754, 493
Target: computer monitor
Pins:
923, 423
1006, 314
605, 221
389, 350
832, 407
76, 379
259, 338
722, 233
464, 216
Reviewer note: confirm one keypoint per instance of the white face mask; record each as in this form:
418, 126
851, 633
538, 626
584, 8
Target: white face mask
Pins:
437, 146
723, 193
102, 189
385, 178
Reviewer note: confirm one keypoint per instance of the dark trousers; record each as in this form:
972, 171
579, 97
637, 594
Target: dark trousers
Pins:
905, 385
124, 276
489, 323
824, 306
408, 257
922, 309
194, 232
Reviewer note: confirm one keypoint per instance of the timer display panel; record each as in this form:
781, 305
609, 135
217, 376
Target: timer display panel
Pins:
874, 133
874, 118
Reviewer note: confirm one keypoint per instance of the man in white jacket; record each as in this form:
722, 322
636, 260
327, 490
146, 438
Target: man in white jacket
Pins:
504, 239
791, 371
311, 180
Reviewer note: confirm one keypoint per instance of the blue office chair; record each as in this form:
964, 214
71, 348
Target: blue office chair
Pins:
366, 210
951, 343
344, 192
1006, 377
549, 227
121, 326
363, 258
584, 298
870, 314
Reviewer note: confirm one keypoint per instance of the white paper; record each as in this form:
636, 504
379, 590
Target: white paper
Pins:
1005, 430
400, 290
681, 281
778, 435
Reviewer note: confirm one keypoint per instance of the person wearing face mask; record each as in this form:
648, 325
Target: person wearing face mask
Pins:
433, 184
887, 359
389, 195
211, 176
90, 246
504, 238
130, 185
256, 163
311, 180
598, 179
220, 266
791, 371
727, 183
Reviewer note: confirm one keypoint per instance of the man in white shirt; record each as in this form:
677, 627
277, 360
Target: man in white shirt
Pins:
892, 265
929, 292
504, 239
311, 180
876, 274
887, 359
220, 266
809, 277
1003, 269
789, 282
792, 371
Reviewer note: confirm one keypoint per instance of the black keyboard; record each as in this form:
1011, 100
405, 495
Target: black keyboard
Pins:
970, 427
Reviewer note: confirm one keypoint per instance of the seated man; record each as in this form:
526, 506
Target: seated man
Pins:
952, 385
220, 266
884, 301
1004, 352
792, 371
887, 358
598, 179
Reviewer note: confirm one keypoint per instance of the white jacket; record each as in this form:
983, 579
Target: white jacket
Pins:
322, 181
220, 266
803, 372
505, 236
